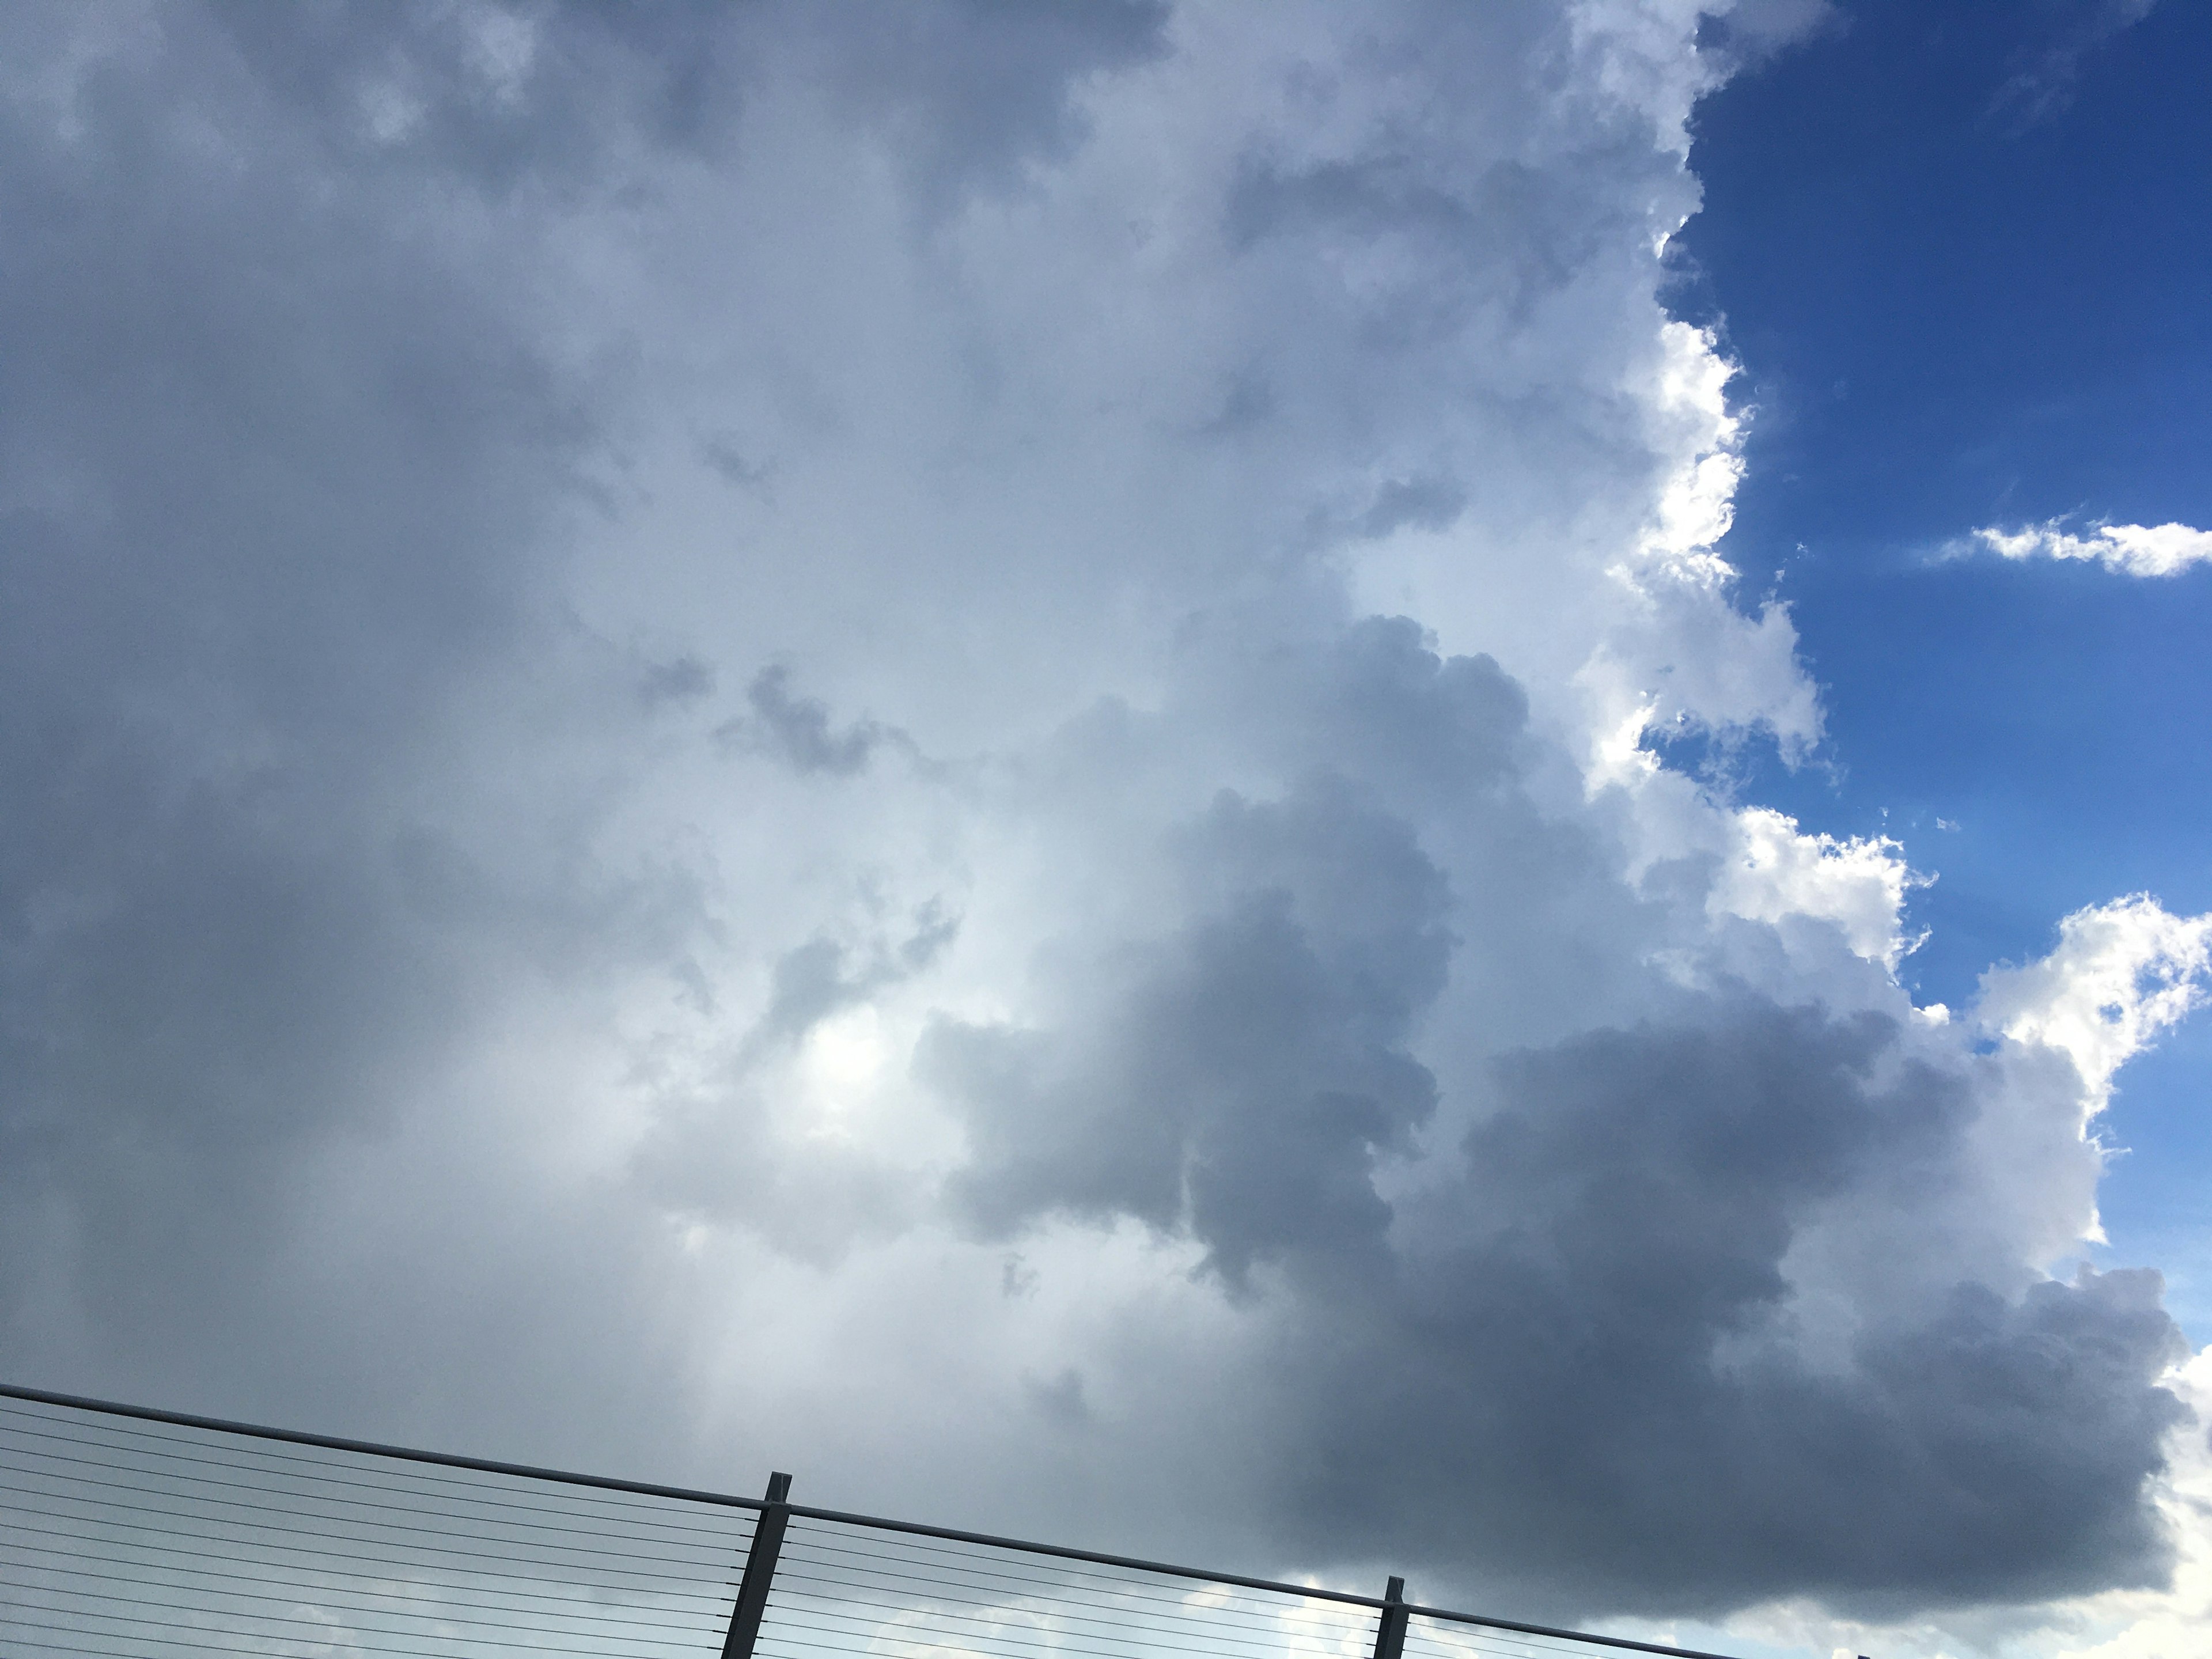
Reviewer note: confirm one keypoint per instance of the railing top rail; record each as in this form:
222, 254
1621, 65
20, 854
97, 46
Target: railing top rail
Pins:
372, 1448
609, 1483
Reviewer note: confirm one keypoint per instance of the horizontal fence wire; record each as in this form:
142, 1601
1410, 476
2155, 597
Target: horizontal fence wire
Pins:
132, 1533
130, 1538
847, 1587
1458, 1636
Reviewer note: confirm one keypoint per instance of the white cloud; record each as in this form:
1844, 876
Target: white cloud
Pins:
2134, 549
1779, 872
2122, 973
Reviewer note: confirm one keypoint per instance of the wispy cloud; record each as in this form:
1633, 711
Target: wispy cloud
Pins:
2046, 71
2134, 549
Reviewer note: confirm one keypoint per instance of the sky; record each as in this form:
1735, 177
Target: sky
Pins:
1330, 790
1944, 244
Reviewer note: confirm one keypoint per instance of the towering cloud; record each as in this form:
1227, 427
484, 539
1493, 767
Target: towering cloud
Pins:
922, 740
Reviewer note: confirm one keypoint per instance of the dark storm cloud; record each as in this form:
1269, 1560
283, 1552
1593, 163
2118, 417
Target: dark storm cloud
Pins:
1567, 1379
1244, 1074
1562, 1365
1239, 1077
1581, 1367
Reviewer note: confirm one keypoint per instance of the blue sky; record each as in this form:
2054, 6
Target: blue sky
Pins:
1960, 301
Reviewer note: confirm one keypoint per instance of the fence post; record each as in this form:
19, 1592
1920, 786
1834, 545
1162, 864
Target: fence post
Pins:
760, 1569
1391, 1634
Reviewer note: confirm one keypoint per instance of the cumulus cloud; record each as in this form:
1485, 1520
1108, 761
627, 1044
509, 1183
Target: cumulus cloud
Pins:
2133, 549
1858, 882
1607, 1310
1186, 972
2121, 973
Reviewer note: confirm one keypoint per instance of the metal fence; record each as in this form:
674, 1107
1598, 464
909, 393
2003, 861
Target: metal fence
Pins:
136, 1534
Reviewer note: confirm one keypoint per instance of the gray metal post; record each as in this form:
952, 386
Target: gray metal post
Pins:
760, 1570
1391, 1634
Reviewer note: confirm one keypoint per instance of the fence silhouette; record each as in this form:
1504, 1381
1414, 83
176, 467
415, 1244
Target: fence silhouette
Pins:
136, 1533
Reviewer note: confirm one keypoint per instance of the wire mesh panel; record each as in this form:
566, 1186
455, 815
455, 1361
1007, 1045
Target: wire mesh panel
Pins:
849, 1588
159, 1540
133, 1534
1428, 1637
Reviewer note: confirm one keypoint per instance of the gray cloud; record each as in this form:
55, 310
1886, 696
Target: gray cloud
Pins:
798, 731
504, 98
1586, 1356
1563, 1362
964, 96
282, 470
1339, 1125
1424, 503
1242, 1075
